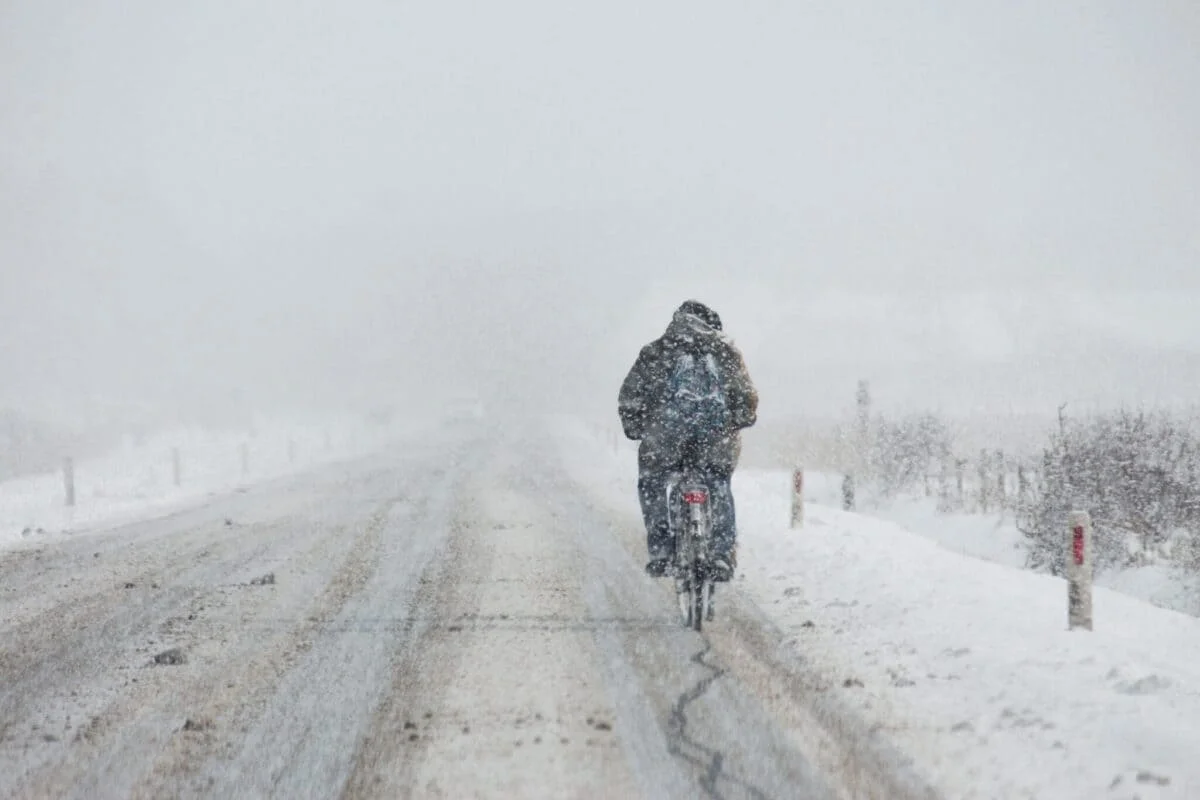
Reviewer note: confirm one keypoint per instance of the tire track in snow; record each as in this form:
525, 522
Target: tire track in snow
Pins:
83, 660
380, 748
236, 686
306, 740
500, 696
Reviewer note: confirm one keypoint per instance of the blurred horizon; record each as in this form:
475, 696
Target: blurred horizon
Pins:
208, 211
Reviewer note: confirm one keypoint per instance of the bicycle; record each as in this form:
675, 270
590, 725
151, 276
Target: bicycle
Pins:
689, 519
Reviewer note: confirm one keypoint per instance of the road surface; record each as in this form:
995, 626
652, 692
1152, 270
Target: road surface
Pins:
454, 619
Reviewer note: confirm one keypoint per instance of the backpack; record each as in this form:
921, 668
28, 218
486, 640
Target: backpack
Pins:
695, 402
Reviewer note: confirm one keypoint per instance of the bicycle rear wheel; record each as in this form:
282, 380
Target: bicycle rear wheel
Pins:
684, 594
696, 594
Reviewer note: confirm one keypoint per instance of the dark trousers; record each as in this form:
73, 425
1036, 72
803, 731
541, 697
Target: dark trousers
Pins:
652, 491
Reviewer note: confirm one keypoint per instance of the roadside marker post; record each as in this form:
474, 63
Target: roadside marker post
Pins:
798, 497
1079, 571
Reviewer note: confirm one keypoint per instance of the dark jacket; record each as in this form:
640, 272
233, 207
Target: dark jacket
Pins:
645, 390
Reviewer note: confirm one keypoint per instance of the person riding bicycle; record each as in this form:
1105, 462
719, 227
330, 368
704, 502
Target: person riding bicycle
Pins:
688, 393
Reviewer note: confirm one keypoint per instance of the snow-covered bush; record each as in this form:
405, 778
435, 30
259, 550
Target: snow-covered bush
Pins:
1135, 472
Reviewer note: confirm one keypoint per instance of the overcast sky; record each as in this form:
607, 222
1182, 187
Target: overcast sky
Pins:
266, 203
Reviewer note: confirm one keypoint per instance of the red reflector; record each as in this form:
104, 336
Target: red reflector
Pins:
695, 498
1077, 543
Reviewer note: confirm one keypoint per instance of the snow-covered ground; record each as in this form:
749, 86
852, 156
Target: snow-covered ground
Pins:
994, 537
967, 664
137, 480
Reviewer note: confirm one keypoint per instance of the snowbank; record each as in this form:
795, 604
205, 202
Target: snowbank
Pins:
995, 538
969, 664
137, 481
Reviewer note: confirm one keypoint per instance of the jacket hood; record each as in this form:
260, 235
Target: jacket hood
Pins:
689, 328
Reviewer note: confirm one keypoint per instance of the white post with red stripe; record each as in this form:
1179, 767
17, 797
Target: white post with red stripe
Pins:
798, 497
1079, 571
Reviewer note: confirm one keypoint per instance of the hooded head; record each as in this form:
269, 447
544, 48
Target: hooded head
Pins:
701, 312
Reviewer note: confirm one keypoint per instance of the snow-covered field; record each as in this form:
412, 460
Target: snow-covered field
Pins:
969, 664
994, 537
138, 481
966, 664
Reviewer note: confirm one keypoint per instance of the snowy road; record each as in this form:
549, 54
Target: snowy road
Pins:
456, 619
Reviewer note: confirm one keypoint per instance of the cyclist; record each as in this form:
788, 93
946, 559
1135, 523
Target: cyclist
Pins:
688, 391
